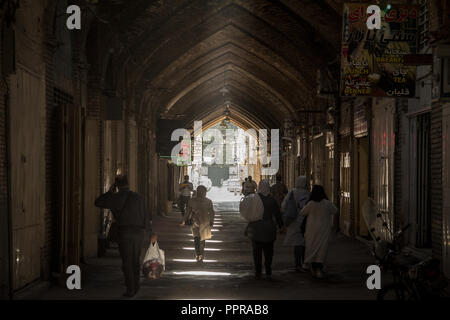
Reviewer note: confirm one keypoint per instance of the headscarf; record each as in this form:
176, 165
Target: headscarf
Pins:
318, 193
201, 192
301, 182
264, 187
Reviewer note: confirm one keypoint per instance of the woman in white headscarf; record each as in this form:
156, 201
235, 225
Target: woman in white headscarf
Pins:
294, 237
319, 212
263, 232
200, 210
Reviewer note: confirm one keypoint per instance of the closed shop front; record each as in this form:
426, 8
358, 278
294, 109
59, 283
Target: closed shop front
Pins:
345, 169
446, 189
328, 183
27, 172
360, 167
318, 160
383, 147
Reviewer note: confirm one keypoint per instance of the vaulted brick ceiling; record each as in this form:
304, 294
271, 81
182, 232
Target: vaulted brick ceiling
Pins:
181, 53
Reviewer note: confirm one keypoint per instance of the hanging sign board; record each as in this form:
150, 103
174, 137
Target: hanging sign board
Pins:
373, 61
184, 156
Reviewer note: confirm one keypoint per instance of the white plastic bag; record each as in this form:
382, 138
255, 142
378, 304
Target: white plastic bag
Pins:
251, 208
154, 262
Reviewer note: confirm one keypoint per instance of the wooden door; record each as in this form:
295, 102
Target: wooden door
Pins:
69, 159
27, 175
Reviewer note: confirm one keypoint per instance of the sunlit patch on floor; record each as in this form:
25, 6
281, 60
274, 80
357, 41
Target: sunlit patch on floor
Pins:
201, 273
206, 249
193, 260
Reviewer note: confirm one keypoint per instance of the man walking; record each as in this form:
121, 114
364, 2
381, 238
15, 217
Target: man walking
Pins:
243, 183
185, 189
134, 224
279, 190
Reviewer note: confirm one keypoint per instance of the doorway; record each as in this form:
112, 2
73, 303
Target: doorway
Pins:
361, 181
218, 174
69, 192
420, 180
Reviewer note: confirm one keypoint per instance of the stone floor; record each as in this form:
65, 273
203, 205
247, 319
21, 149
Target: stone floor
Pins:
227, 272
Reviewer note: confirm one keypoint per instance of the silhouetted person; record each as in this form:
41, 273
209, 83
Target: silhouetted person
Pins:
134, 224
186, 188
250, 186
279, 190
263, 233
318, 212
294, 236
200, 209
243, 183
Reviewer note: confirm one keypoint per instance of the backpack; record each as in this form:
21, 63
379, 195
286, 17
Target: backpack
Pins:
251, 208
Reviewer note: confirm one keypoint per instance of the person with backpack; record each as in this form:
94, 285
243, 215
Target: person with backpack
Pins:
186, 188
263, 232
291, 206
250, 186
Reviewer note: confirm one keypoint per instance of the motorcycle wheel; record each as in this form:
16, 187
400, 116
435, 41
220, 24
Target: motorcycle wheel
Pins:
395, 291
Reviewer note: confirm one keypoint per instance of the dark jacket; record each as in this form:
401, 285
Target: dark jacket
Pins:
265, 230
128, 209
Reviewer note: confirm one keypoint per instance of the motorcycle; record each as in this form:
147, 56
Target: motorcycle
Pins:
413, 278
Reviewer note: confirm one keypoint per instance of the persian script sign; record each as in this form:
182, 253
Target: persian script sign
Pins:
373, 61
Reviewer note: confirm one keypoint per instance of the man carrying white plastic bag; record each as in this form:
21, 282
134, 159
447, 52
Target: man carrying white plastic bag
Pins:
154, 261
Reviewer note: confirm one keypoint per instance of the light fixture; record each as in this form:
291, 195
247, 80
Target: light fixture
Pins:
224, 91
227, 114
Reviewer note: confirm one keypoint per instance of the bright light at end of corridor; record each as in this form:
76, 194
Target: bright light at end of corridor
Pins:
215, 230
202, 273
212, 241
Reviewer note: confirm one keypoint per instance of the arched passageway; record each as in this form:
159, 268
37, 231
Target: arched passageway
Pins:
81, 105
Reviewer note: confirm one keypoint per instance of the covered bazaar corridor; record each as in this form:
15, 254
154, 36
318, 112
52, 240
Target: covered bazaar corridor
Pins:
218, 90
227, 271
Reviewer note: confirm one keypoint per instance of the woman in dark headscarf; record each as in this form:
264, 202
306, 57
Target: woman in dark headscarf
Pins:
263, 232
294, 236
